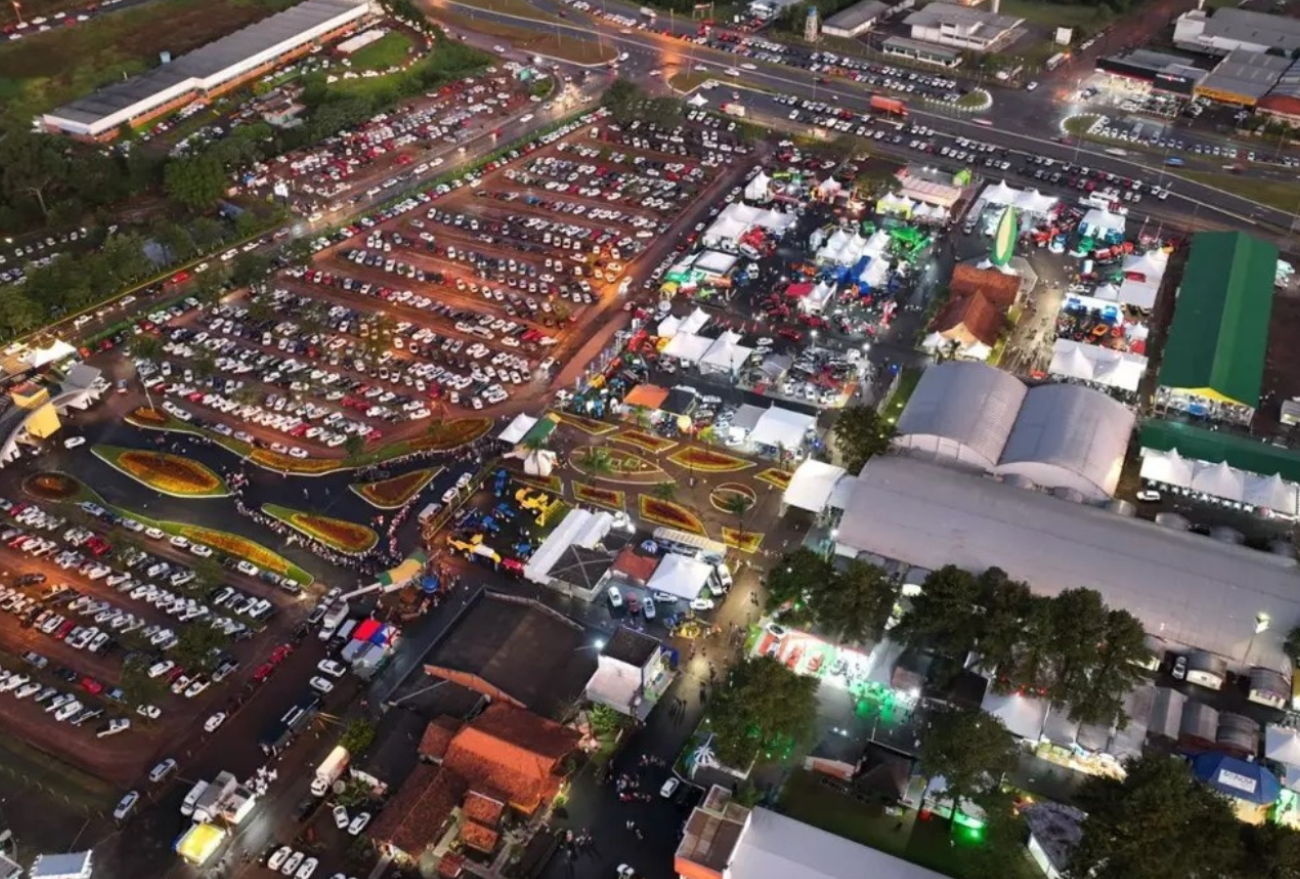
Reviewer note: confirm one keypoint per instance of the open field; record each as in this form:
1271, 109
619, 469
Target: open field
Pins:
389, 50
1283, 195
43, 71
540, 42
1053, 14
521, 8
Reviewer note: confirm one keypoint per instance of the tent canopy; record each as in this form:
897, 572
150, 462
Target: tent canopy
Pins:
812, 485
726, 354
516, 429
1282, 743
680, 575
688, 347
1237, 778
781, 428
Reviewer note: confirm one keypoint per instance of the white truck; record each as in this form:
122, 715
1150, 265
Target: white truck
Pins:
329, 771
191, 798
334, 618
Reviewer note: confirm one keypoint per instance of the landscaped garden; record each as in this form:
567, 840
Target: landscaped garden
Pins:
240, 548
338, 534
599, 497
603, 462
397, 491
708, 461
728, 495
778, 478
745, 541
52, 486
669, 514
164, 473
646, 442
587, 425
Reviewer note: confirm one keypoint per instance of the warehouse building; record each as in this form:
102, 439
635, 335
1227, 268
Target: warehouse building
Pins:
1157, 71
1284, 99
1232, 28
925, 53
856, 19
1188, 590
1213, 363
963, 27
208, 71
1242, 78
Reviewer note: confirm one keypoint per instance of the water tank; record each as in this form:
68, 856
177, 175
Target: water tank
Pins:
1173, 521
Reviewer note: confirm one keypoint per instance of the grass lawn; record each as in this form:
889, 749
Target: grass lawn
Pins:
541, 42
389, 50
975, 99
1279, 194
40, 72
1052, 14
907, 383
521, 8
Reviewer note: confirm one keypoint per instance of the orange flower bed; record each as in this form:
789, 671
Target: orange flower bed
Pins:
586, 425
240, 548
454, 434
779, 478
708, 461
145, 415
390, 494
670, 515
51, 486
600, 497
338, 534
290, 464
169, 474
646, 442
745, 541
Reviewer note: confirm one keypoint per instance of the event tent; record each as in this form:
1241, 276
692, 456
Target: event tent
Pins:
1000, 194
668, 327
694, 322
680, 575
1098, 223
580, 527
726, 354
738, 218
1093, 363
1032, 201
1282, 743
1239, 779
1222, 481
517, 429
687, 347
1023, 716
715, 262
812, 485
781, 429
760, 188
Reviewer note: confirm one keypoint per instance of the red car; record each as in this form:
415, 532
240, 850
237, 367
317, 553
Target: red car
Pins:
263, 672
281, 653
90, 685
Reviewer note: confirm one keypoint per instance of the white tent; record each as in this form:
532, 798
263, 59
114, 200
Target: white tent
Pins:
781, 428
813, 485
58, 350
1032, 201
680, 575
1098, 222
1167, 468
1000, 194
829, 188
815, 301
1023, 716
1273, 493
1219, 480
1281, 743
1116, 369
668, 327
715, 262
517, 429
574, 525
697, 100
1139, 294
760, 188
694, 322
687, 347
726, 354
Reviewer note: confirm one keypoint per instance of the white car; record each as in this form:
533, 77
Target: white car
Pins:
73, 441
214, 721
332, 668
126, 804
278, 857
341, 818
1148, 496
670, 787
321, 685
359, 823
162, 770
292, 864
308, 867
702, 604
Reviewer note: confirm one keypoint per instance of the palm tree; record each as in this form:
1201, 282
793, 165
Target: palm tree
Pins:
596, 460
738, 505
665, 491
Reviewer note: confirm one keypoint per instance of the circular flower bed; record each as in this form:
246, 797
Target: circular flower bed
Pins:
147, 416
338, 534
722, 497
168, 474
52, 486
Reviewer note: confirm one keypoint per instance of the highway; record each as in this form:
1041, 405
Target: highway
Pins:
647, 51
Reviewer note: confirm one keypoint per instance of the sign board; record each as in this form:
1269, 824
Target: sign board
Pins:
1064, 35
1237, 781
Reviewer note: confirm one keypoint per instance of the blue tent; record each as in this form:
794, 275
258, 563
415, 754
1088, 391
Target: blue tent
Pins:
1237, 778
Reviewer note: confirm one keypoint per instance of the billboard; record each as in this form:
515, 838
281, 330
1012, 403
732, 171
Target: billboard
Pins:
1064, 35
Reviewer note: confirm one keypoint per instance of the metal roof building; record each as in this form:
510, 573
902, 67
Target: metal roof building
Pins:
1232, 28
1284, 99
206, 69
1187, 589
1220, 328
964, 27
856, 19
1243, 77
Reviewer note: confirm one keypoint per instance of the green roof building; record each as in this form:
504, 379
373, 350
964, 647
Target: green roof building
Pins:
1215, 446
1215, 349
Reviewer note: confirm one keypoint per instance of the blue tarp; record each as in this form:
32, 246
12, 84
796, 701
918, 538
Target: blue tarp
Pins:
1237, 778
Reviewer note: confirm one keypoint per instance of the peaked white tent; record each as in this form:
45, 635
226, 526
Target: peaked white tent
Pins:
1098, 222
668, 327
695, 321
1273, 493
760, 188
1219, 480
813, 485
1282, 743
1167, 468
781, 428
726, 354
1000, 194
1032, 201
687, 346
517, 429
680, 575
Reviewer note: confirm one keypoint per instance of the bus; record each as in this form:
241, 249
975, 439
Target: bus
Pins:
1057, 60
687, 543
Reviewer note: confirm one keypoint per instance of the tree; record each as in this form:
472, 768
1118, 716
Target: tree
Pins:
137, 687
1001, 625
249, 268
861, 434
1001, 852
146, 346
31, 165
1269, 851
1158, 823
737, 505
622, 98
197, 182
354, 445
764, 710
854, 606
969, 748
795, 576
596, 460
196, 647
1117, 669
941, 616
357, 736
665, 491
1078, 626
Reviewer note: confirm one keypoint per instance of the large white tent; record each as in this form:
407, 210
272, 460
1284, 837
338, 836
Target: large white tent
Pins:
695, 321
726, 354
680, 575
1282, 743
1098, 223
1000, 194
781, 428
812, 485
1023, 716
1032, 201
517, 429
687, 346
738, 218
580, 527
1221, 481
759, 189
1093, 363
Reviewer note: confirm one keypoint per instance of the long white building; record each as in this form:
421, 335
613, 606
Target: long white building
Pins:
207, 71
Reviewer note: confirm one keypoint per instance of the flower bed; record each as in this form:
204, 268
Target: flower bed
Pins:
289, 464
337, 534
745, 541
646, 442
553, 484
245, 549
146, 416
52, 486
599, 497
397, 492
168, 474
722, 495
778, 478
587, 425
453, 435
669, 514
708, 461
620, 464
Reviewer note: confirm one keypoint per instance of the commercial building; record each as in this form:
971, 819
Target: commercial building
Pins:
1058, 437
631, 674
1232, 28
208, 71
1158, 71
856, 19
1214, 357
962, 27
1188, 590
724, 840
1283, 100
926, 53
1242, 78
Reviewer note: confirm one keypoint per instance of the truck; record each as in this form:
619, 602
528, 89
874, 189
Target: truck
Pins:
187, 806
647, 12
334, 618
888, 105
732, 109
329, 771
1056, 60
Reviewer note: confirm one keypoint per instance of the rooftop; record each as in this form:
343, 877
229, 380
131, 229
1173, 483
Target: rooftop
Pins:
582, 567
1219, 332
1242, 72
413, 819
966, 17
1260, 28
513, 753
396, 748
777, 847
518, 647
1188, 589
1242, 452
632, 647
856, 15
437, 736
